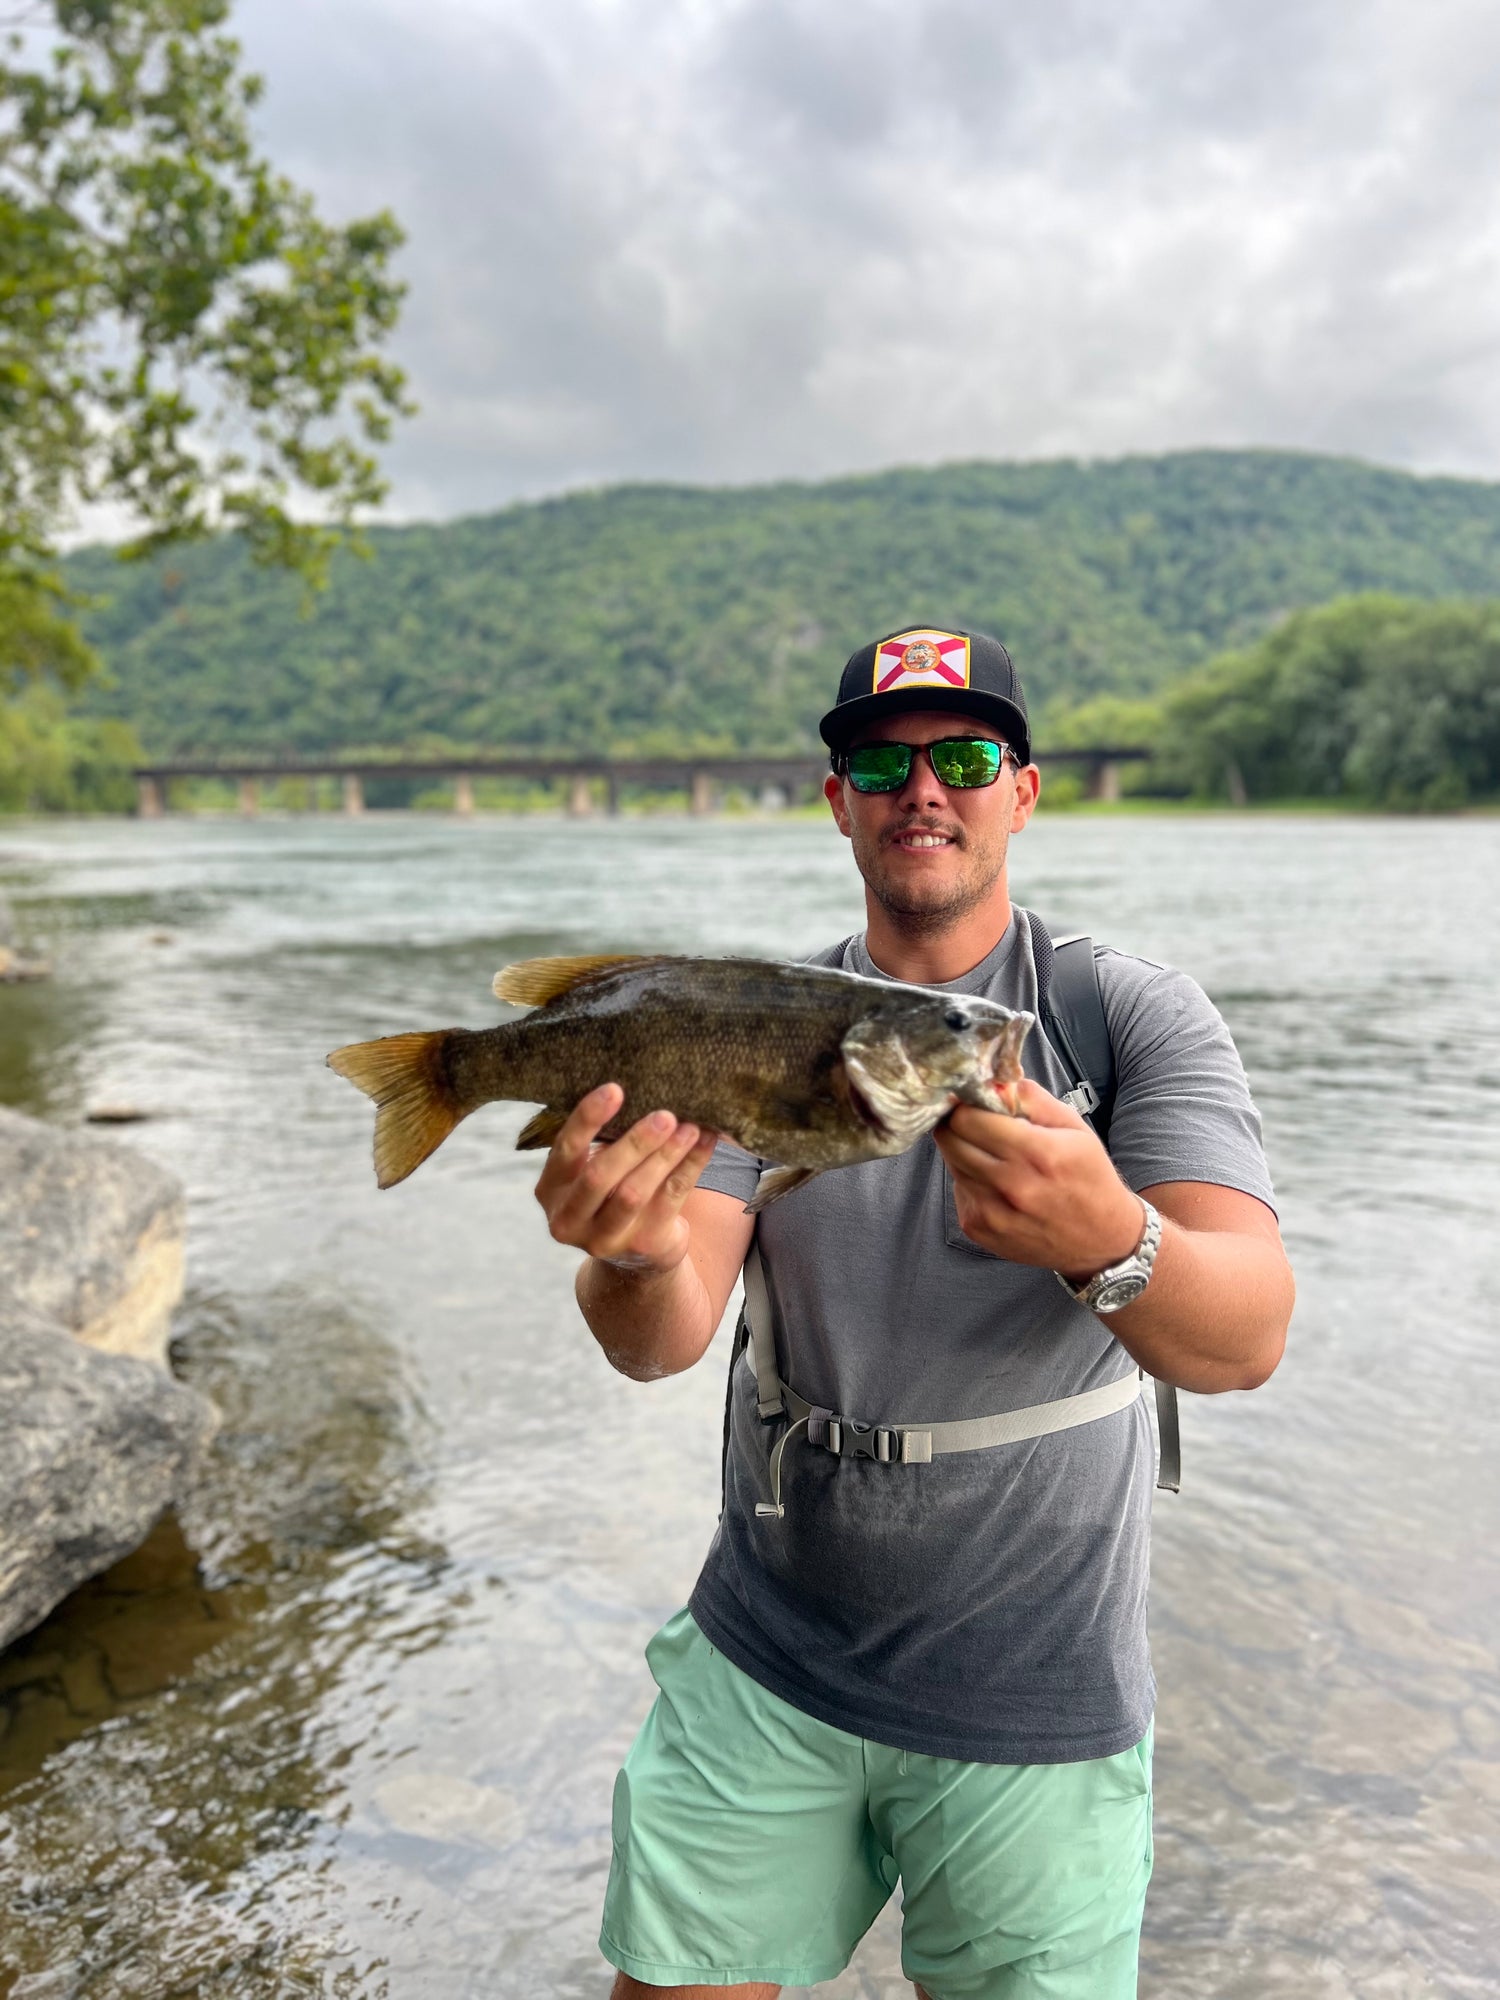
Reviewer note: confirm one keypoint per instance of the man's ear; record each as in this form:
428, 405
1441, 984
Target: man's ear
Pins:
1028, 791
833, 791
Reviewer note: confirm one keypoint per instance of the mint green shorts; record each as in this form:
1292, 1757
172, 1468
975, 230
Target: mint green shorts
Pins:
754, 1843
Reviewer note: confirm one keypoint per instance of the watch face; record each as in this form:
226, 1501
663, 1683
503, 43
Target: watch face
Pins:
1119, 1292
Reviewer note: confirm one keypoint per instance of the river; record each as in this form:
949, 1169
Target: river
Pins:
348, 1725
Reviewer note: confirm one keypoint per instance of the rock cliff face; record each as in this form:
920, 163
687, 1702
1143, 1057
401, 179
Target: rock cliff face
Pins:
96, 1439
90, 1236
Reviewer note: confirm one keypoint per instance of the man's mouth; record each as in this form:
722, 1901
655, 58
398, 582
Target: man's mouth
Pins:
916, 839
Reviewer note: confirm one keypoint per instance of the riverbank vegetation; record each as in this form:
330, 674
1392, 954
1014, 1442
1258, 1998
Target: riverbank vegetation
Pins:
683, 618
1373, 701
1177, 605
52, 760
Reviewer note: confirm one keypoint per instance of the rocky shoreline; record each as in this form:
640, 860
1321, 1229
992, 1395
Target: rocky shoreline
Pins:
96, 1438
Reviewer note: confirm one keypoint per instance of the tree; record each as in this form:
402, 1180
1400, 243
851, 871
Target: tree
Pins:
1376, 700
180, 333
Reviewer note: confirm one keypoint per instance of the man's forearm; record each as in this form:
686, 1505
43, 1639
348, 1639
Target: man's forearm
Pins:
1215, 1313
649, 1323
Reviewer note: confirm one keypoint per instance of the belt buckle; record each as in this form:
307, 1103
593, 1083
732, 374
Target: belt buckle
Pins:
877, 1441
847, 1437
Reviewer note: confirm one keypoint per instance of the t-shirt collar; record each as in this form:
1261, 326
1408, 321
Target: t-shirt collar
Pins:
976, 980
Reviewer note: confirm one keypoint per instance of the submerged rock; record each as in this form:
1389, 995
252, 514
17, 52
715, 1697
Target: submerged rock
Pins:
15, 970
90, 1236
14, 965
93, 1448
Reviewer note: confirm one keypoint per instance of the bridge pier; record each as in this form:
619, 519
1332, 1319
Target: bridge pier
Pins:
702, 797
580, 797
148, 798
463, 795
1104, 781
249, 797
354, 794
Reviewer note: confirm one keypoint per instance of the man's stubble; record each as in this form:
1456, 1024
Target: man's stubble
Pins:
919, 909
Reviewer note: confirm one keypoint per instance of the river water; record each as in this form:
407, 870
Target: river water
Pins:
347, 1726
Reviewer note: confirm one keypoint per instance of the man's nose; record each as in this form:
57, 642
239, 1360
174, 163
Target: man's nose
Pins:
923, 785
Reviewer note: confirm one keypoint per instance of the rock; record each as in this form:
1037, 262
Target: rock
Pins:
14, 970
115, 1112
14, 965
93, 1448
435, 1805
90, 1236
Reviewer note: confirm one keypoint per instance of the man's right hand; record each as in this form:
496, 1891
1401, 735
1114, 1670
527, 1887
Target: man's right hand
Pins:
622, 1203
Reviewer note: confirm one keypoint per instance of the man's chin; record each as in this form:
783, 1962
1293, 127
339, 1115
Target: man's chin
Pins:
930, 903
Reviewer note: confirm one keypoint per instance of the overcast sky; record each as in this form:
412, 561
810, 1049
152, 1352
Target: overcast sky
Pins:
736, 239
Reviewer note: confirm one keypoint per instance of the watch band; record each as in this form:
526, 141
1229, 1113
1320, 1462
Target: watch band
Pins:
1129, 1278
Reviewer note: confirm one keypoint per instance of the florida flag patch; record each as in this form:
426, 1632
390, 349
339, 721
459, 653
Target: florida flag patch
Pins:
922, 659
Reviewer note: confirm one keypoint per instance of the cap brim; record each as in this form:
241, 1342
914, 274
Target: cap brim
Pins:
840, 723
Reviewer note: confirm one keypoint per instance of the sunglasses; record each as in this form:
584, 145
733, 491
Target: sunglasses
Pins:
962, 763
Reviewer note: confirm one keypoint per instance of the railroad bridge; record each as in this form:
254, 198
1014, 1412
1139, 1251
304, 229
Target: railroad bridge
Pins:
584, 783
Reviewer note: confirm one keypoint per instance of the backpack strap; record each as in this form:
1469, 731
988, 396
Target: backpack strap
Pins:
1071, 1015
910, 1443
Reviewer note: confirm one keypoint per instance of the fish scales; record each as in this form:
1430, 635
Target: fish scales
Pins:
802, 1065
735, 1046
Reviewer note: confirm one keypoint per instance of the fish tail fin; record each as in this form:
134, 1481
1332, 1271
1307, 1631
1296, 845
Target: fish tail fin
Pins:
416, 1106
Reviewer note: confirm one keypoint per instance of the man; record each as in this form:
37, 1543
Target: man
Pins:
932, 1672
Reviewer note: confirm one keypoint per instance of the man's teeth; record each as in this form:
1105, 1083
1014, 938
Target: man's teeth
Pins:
925, 840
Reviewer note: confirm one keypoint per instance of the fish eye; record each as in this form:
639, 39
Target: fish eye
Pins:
957, 1020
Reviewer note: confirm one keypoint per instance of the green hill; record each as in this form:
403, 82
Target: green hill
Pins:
667, 616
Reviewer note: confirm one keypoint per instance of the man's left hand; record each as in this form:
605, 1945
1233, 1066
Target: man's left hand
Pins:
1039, 1189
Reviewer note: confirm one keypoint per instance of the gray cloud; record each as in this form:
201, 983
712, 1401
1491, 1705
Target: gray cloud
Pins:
738, 239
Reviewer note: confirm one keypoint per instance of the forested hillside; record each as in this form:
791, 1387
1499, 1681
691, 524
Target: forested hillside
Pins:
658, 616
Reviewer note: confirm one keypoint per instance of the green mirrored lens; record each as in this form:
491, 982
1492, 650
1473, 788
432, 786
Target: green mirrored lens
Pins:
967, 760
879, 767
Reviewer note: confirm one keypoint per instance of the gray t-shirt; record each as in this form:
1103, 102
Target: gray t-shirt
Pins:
991, 1605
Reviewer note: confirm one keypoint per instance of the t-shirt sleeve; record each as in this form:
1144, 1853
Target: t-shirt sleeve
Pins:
731, 1170
1183, 1111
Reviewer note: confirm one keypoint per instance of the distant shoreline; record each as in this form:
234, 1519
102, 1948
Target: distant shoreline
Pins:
1072, 809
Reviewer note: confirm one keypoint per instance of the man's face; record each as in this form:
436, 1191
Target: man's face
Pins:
931, 854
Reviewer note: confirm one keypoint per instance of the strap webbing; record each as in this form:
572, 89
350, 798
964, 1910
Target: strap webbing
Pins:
762, 1335
913, 1443
1169, 1438
1072, 1017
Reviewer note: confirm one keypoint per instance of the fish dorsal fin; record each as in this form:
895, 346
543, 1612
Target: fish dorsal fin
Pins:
532, 982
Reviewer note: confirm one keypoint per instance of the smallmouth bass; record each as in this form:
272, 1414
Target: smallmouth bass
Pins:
796, 1063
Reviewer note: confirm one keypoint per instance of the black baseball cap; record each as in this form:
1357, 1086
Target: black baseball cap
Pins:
928, 666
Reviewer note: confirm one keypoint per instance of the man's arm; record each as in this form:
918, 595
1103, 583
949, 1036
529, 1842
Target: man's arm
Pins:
663, 1255
1043, 1190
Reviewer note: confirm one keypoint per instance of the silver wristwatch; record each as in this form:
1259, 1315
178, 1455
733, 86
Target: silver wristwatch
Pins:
1120, 1284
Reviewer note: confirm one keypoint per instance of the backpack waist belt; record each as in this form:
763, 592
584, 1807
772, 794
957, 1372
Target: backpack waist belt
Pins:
898, 1444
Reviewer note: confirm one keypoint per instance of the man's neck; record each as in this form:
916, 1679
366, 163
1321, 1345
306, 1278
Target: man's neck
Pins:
903, 950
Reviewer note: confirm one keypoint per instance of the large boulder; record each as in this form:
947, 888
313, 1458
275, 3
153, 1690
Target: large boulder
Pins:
90, 1236
93, 1448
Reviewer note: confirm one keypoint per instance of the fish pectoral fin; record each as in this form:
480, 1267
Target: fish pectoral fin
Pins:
777, 1182
540, 1129
532, 982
